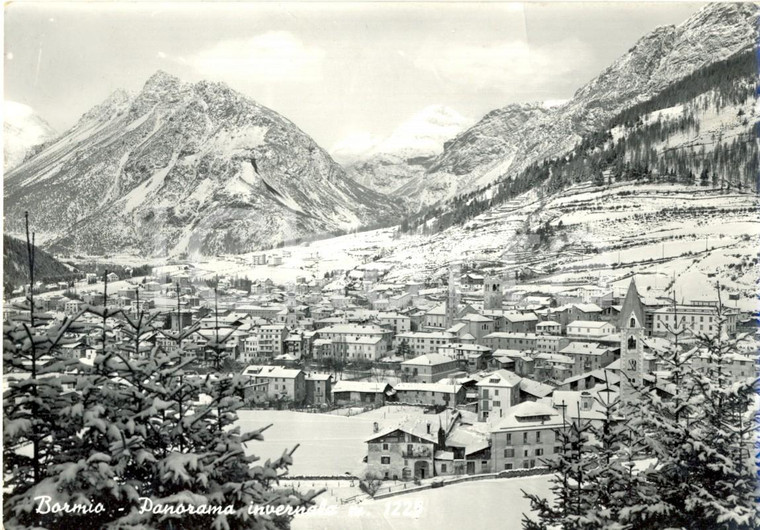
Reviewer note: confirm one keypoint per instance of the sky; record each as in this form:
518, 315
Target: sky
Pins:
339, 70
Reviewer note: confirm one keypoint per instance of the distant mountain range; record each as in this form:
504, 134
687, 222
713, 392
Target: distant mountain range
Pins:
507, 140
200, 169
23, 130
185, 168
386, 164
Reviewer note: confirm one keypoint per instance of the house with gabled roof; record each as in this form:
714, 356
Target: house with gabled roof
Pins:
448, 443
497, 392
429, 368
367, 392
525, 436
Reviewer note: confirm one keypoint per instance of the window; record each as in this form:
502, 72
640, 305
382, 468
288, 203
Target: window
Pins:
443, 468
497, 403
409, 448
538, 437
557, 449
385, 460
509, 438
525, 437
526, 464
509, 452
385, 447
539, 452
526, 452
508, 466
496, 392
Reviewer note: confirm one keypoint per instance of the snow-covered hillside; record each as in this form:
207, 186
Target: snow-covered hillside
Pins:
506, 141
673, 237
23, 130
184, 168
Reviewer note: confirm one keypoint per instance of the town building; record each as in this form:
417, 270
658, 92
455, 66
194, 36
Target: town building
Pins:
430, 394
421, 342
318, 388
428, 368
365, 392
588, 356
525, 436
284, 384
689, 321
589, 329
497, 392
510, 341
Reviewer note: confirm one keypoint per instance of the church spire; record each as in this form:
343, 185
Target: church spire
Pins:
632, 307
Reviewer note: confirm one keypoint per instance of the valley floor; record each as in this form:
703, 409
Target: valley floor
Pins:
673, 237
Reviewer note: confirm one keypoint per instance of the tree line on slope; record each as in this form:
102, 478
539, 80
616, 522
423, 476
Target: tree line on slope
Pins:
632, 157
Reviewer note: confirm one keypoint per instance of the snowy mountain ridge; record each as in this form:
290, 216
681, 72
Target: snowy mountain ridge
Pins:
386, 164
507, 140
23, 130
184, 168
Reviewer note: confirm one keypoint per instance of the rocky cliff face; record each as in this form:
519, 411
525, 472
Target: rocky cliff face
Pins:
507, 140
180, 167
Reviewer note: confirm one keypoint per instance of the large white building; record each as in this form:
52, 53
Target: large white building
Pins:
497, 392
686, 321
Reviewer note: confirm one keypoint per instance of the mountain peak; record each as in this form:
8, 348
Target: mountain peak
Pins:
723, 12
161, 78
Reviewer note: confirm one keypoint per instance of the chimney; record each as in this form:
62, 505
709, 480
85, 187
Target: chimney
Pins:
586, 401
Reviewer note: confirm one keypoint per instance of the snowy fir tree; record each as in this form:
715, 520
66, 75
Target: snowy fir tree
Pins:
129, 436
681, 455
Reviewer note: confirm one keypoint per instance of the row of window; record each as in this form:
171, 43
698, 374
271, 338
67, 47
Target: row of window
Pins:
547, 436
509, 452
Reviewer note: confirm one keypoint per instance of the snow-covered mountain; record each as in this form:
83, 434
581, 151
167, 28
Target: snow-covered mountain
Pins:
505, 141
386, 164
23, 130
180, 167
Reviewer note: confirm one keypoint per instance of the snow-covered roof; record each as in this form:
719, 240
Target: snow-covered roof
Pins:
530, 415
536, 389
588, 308
474, 317
318, 377
593, 324
510, 335
360, 386
429, 359
272, 371
584, 348
500, 378
427, 387
359, 329
521, 317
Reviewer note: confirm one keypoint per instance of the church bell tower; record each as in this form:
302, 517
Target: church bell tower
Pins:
631, 325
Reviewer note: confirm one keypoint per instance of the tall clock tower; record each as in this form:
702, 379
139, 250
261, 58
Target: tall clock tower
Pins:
631, 325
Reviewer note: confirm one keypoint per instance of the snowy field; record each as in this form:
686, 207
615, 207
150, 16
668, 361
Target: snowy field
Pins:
483, 505
330, 444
